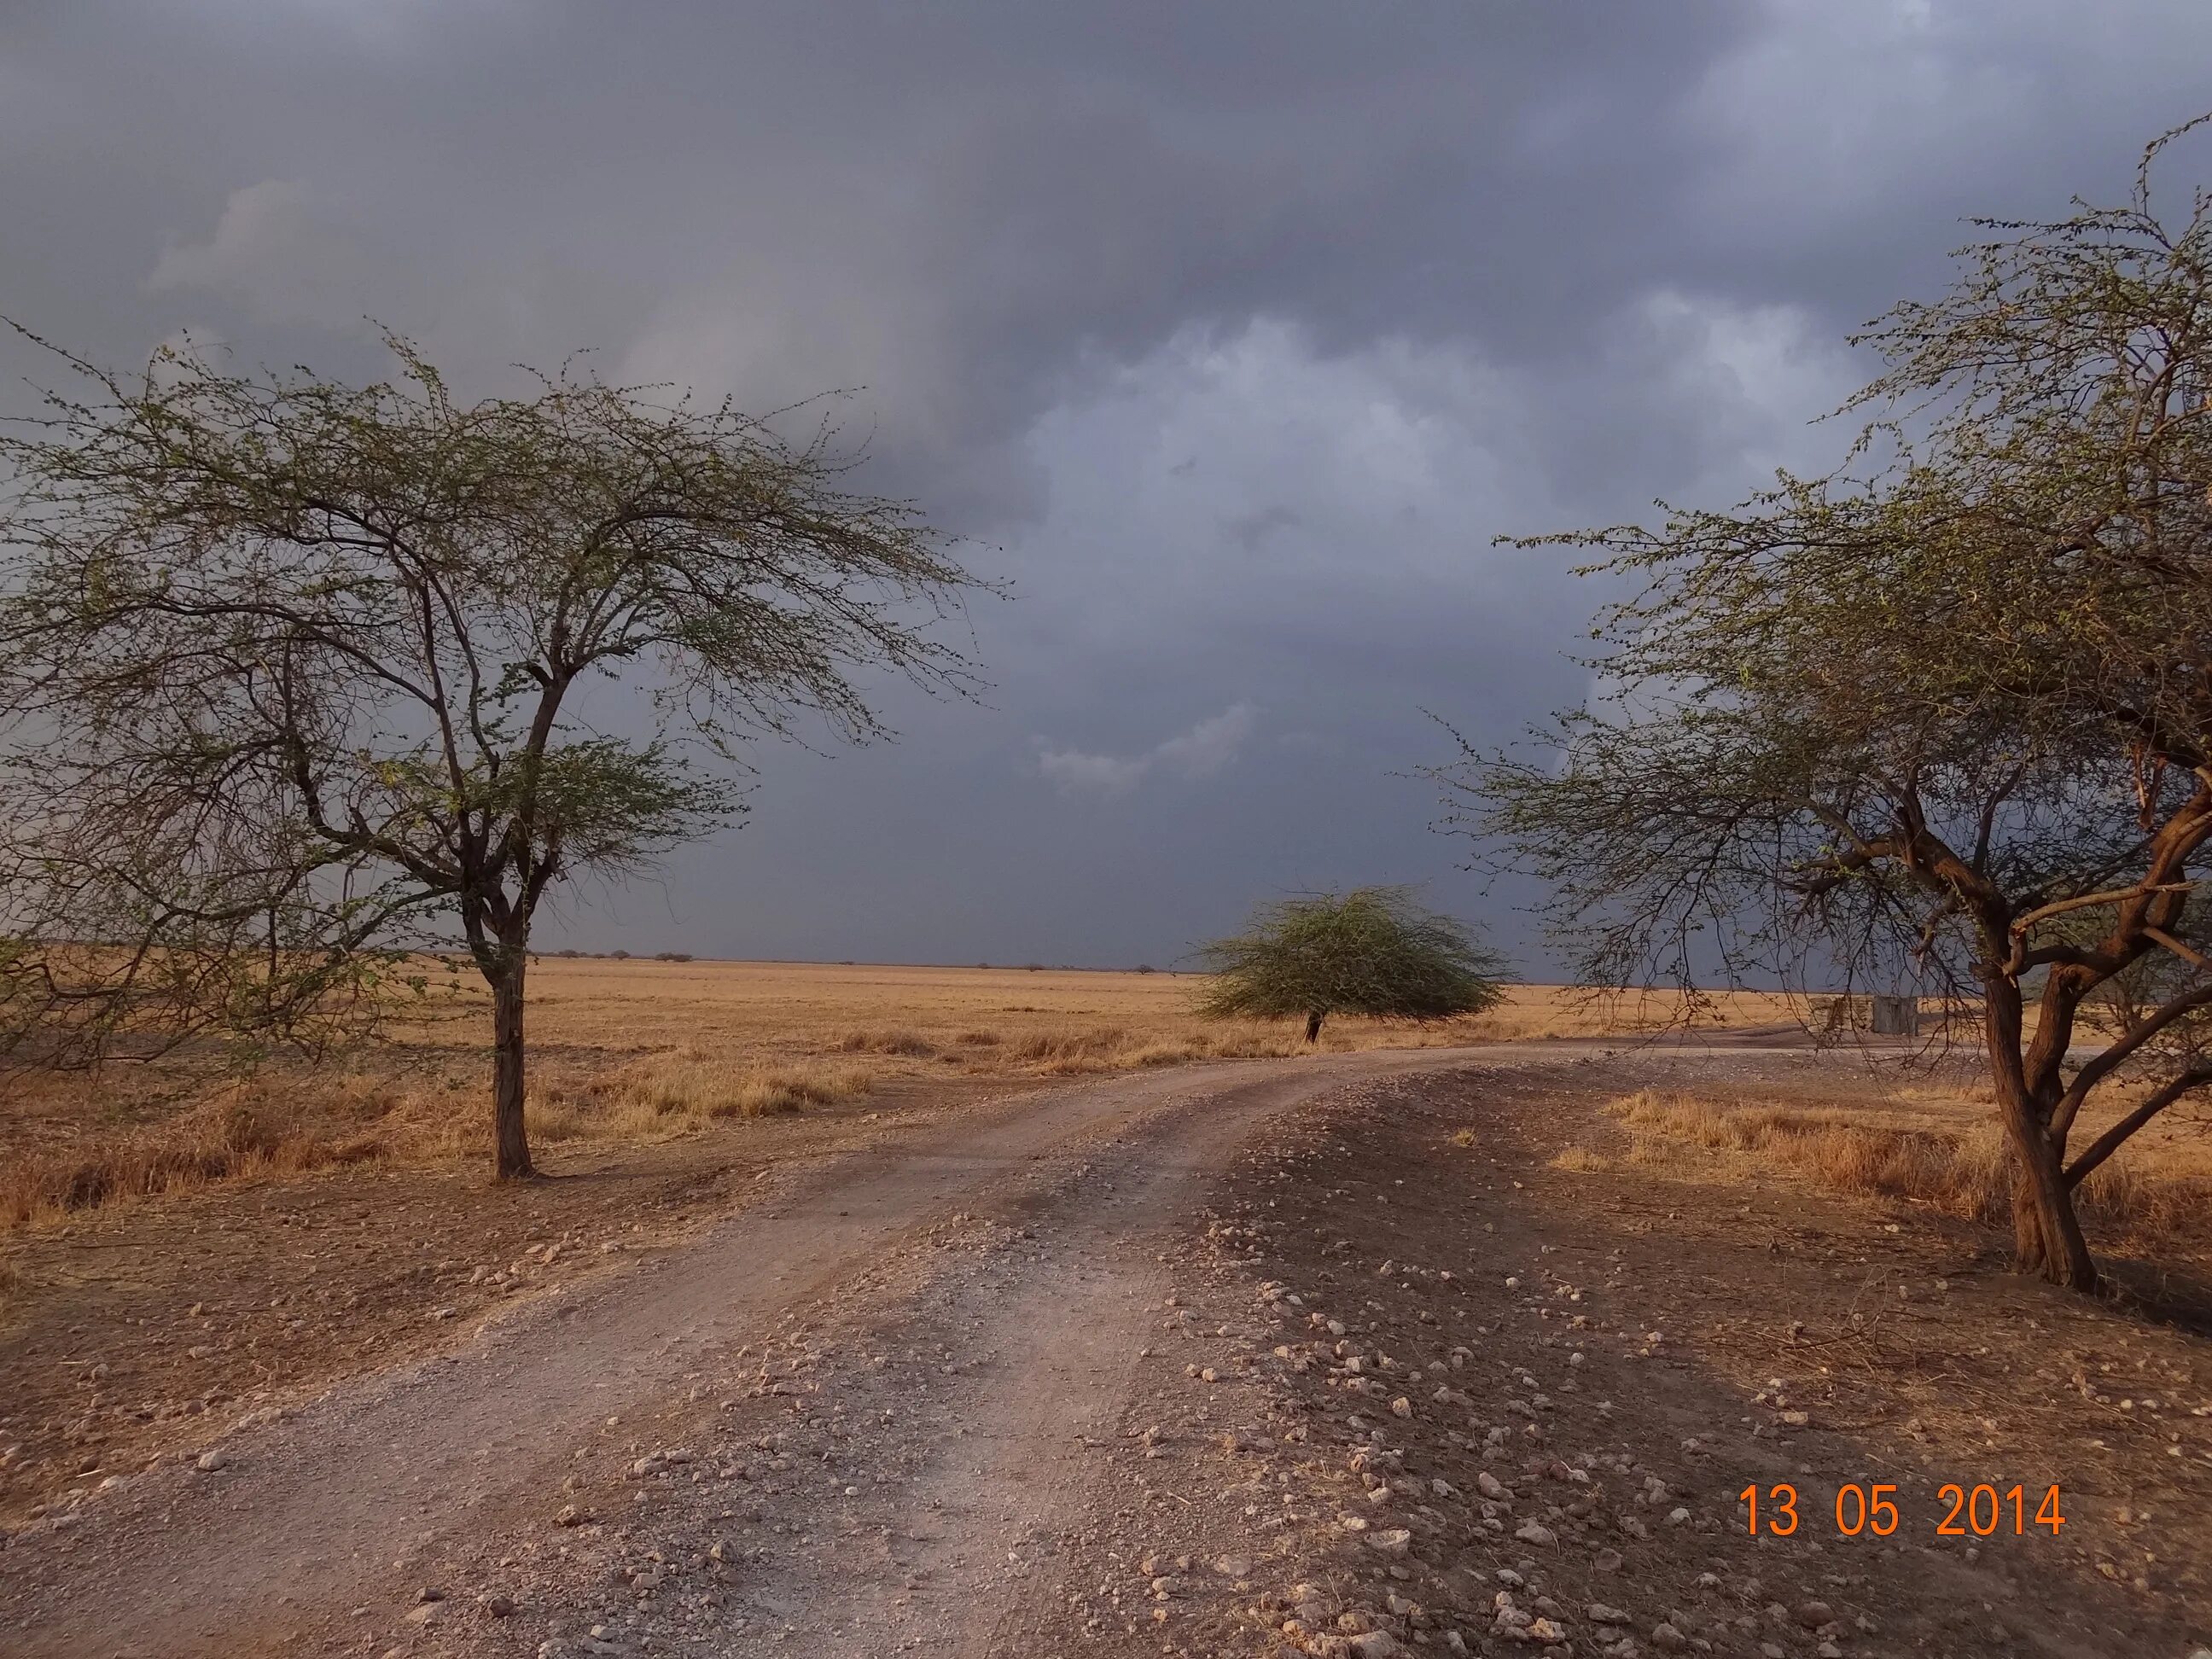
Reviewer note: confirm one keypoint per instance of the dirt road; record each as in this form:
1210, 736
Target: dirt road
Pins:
320, 1512
999, 1387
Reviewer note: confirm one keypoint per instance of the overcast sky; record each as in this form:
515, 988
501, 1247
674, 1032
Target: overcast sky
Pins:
1231, 332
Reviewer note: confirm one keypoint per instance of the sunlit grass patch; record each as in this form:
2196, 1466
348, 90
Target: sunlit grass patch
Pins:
1940, 1158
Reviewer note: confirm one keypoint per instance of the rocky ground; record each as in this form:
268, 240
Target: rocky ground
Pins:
1318, 1358
1523, 1402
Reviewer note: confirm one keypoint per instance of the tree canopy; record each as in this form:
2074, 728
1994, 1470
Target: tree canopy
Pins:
1942, 721
1372, 950
303, 663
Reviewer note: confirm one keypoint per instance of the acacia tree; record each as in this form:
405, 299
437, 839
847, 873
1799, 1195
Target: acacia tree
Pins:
349, 628
1946, 720
1371, 950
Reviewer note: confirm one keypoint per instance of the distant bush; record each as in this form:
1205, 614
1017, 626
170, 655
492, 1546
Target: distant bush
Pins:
672, 955
619, 955
1146, 968
1371, 950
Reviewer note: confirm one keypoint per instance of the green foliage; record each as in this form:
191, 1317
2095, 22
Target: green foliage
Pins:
1371, 950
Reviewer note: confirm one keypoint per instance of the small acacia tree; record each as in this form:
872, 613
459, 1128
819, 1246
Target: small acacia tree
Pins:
1948, 722
358, 622
1371, 950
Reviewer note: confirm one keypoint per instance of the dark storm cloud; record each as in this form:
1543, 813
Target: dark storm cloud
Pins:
943, 203
1236, 330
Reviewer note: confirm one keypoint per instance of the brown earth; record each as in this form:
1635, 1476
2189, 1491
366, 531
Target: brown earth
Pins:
1023, 1374
136, 1334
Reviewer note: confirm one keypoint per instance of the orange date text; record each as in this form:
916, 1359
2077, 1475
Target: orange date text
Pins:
1875, 1510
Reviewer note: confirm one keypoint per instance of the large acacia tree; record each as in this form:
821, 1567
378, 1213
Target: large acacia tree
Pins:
326, 648
1944, 719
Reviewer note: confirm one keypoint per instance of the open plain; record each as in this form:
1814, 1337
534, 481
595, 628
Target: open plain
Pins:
878, 1311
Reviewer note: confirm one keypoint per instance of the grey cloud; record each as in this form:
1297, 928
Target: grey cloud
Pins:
1232, 334
1248, 530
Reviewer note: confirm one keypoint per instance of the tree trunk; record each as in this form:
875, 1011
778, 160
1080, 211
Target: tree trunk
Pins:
2046, 1234
1313, 1025
511, 1145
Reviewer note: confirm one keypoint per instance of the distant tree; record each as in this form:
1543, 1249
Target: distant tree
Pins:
1146, 968
357, 622
1371, 951
1948, 723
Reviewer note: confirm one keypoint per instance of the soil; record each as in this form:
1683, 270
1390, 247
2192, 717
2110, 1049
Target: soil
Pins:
1056, 1372
137, 1333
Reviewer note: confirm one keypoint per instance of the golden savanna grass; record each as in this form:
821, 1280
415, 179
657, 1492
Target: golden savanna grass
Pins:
1935, 1146
636, 1051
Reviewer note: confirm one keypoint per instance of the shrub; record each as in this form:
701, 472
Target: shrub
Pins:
1371, 950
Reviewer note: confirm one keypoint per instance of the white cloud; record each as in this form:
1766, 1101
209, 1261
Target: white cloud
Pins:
285, 252
1211, 744
1200, 752
1107, 774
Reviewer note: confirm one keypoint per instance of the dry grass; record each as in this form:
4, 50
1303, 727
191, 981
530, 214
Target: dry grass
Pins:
635, 1050
652, 1098
227, 1137
1932, 1146
1540, 1012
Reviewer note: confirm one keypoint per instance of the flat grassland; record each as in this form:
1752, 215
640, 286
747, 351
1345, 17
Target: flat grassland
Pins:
627, 1051
175, 1250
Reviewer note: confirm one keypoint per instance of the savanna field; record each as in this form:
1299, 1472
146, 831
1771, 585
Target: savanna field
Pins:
636, 1052
189, 1256
631, 1051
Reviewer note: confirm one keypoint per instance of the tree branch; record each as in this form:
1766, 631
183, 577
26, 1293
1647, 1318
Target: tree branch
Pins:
2111, 1140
